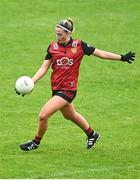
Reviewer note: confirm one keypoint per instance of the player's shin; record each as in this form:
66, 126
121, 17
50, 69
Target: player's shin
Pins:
42, 127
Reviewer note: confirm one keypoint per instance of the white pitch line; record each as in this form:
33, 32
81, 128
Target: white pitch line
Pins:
93, 170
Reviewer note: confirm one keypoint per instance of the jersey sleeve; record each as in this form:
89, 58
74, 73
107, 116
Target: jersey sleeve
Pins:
48, 55
88, 50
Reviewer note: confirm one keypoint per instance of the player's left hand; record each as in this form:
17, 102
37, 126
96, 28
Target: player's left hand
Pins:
129, 57
18, 92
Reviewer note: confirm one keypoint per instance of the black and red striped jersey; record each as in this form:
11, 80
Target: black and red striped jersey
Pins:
66, 60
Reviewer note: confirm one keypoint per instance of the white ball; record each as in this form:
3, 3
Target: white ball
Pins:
24, 85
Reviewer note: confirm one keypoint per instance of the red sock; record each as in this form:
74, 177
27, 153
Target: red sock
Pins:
37, 139
89, 131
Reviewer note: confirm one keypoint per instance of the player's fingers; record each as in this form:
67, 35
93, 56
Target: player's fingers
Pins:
132, 59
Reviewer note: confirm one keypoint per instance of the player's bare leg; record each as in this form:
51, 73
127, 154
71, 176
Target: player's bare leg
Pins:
69, 113
53, 105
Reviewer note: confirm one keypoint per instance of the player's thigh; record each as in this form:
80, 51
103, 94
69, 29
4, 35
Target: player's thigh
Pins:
68, 111
53, 105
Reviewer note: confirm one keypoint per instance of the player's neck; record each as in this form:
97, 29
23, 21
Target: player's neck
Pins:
65, 43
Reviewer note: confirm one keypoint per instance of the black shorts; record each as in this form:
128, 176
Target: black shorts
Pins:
67, 95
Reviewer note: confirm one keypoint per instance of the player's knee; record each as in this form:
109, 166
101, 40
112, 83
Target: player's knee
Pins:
43, 116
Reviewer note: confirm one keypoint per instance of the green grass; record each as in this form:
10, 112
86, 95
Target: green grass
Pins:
108, 93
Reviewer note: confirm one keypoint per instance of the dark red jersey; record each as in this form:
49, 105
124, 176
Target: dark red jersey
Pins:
65, 63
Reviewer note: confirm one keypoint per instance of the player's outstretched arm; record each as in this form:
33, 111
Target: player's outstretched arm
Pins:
41, 71
129, 57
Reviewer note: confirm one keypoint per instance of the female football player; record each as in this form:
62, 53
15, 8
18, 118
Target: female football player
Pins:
64, 56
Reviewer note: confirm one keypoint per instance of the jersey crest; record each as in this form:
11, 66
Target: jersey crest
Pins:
73, 50
74, 46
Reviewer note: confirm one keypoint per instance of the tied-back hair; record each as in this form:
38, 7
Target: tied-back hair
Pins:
66, 24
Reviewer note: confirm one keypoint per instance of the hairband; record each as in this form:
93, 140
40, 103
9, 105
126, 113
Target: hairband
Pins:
63, 28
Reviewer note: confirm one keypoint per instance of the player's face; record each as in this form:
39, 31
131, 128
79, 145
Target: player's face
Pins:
61, 35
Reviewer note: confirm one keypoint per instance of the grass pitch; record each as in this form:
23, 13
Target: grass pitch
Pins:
108, 94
